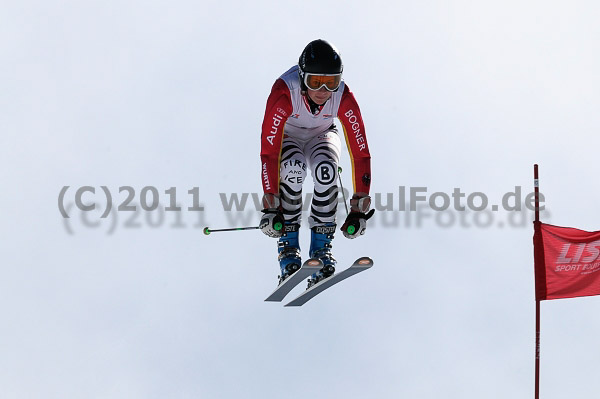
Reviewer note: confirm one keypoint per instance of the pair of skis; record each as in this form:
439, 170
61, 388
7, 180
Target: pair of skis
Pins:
310, 267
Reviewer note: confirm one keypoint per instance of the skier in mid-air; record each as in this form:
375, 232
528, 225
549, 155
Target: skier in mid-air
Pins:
298, 133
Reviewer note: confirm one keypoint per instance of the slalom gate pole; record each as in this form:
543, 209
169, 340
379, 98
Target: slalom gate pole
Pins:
537, 302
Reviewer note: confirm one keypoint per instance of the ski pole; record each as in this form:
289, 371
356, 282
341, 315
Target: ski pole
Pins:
351, 228
278, 226
207, 231
342, 187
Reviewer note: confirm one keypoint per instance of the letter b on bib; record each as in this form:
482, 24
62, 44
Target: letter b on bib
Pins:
325, 173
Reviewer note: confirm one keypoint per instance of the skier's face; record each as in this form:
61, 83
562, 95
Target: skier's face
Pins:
319, 96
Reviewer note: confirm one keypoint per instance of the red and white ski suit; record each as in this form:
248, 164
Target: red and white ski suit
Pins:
293, 137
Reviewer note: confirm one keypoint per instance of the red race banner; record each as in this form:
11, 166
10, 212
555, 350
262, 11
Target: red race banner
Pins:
567, 262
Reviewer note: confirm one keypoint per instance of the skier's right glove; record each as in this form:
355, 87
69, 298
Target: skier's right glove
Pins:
272, 221
356, 221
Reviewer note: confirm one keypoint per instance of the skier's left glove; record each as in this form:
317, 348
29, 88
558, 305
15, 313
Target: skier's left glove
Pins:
356, 221
272, 221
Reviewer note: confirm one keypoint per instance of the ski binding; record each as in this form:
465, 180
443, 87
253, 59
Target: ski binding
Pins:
308, 268
361, 264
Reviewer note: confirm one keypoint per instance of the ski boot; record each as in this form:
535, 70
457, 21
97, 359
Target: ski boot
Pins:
320, 248
289, 251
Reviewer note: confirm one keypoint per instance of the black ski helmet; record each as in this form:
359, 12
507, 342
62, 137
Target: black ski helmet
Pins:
319, 56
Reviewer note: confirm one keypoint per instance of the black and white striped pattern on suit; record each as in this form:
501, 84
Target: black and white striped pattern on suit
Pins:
321, 155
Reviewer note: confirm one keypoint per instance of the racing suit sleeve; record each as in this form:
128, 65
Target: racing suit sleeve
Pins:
354, 130
279, 108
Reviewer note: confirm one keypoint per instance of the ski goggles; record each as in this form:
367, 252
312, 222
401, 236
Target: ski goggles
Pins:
316, 81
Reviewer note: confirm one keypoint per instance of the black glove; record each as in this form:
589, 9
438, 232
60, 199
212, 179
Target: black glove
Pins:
272, 221
356, 221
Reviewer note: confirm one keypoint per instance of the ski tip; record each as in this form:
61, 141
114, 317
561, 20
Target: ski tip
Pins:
364, 261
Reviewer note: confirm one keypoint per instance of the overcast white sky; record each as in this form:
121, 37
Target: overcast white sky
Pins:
172, 94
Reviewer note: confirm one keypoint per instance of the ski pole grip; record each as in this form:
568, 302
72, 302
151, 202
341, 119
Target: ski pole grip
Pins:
351, 229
